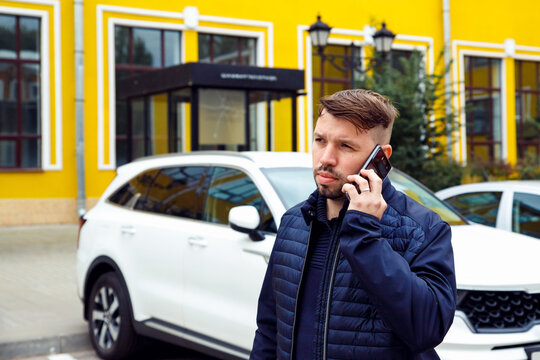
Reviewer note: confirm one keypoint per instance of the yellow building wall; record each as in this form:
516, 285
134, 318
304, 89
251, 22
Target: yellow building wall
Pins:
47, 196
477, 27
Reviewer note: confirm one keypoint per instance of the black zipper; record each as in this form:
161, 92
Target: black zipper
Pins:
298, 290
334, 266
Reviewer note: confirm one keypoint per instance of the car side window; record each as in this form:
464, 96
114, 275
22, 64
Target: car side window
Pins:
129, 194
176, 191
526, 214
479, 207
229, 188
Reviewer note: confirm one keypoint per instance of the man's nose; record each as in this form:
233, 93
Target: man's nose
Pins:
329, 155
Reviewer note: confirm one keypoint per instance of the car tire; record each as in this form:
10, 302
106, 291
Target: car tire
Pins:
109, 319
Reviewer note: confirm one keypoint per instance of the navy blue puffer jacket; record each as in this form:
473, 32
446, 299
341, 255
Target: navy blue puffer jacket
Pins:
389, 291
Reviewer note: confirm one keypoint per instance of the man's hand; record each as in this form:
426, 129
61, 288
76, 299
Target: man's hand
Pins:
369, 200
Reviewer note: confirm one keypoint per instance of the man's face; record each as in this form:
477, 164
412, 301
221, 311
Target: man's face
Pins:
339, 150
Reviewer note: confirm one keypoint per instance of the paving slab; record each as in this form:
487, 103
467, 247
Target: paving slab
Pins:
40, 311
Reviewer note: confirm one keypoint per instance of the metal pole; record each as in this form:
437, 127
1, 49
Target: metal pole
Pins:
79, 106
294, 123
447, 76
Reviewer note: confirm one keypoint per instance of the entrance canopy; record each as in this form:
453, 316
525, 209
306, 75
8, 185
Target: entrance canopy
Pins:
231, 107
211, 75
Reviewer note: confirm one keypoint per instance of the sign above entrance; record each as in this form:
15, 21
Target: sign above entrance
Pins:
238, 76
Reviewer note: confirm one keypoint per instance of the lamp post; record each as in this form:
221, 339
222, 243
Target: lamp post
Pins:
320, 31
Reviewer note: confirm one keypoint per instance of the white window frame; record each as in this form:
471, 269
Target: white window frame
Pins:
47, 162
110, 164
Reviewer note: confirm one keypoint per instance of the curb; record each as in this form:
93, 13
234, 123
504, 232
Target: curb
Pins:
45, 346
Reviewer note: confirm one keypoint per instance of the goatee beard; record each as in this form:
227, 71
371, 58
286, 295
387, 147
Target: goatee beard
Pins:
325, 190
330, 194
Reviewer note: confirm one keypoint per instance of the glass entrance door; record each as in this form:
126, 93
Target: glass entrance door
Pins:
241, 120
222, 120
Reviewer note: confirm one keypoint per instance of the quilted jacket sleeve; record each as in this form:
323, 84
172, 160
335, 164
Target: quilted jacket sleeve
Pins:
416, 298
264, 345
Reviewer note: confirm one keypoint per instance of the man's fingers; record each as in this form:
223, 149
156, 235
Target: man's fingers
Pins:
375, 182
350, 190
363, 184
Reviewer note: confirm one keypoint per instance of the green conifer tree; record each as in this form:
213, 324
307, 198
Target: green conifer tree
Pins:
422, 121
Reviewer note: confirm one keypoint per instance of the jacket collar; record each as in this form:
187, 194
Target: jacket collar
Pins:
309, 208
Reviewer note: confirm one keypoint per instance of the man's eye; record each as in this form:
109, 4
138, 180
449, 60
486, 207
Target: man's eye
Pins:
347, 146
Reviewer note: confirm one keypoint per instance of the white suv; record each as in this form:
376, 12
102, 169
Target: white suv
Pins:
178, 245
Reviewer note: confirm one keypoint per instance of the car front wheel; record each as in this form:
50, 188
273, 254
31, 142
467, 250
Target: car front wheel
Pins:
109, 319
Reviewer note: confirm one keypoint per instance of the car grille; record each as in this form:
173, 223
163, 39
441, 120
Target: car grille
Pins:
499, 311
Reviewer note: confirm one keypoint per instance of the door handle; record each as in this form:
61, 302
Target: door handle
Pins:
262, 253
127, 229
197, 241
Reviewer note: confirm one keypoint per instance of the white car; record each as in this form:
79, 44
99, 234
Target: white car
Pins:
508, 205
177, 248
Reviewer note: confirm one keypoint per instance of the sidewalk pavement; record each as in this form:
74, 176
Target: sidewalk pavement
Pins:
40, 311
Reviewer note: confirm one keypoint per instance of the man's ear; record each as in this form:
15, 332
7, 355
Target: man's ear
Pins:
387, 150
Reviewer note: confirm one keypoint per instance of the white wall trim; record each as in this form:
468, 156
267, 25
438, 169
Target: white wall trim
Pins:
304, 129
524, 57
478, 44
148, 24
138, 11
528, 48
461, 83
309, 94
45, 86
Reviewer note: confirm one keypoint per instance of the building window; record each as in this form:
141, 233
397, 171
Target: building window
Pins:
20, 114
329, 71
232, 50
142, 125
395, 59
483, 106
528, 108
331, 74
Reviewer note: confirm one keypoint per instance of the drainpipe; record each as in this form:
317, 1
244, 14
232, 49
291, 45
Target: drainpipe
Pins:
79, 106
447, 75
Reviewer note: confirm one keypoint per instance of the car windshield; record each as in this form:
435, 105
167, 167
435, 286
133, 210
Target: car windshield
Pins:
295, 184
418, 192
292, 184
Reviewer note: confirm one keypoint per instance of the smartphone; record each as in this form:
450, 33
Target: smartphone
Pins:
378, 162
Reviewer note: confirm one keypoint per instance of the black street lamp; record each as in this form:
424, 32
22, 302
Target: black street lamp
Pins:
319, 32
383, 39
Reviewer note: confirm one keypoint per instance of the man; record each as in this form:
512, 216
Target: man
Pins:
370, 278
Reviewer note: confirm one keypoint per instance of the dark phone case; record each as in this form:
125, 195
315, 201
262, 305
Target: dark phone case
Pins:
378, 162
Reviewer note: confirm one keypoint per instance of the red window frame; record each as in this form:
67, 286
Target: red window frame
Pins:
239, 57
20, 136
469, 97
134, 69
522, 142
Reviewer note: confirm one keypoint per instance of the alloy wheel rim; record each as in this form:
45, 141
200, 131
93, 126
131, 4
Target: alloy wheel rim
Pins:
106, 318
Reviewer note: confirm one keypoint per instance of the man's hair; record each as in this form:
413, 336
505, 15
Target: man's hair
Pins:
365, 109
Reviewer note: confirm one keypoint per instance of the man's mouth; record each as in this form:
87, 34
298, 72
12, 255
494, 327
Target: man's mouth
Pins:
325, 178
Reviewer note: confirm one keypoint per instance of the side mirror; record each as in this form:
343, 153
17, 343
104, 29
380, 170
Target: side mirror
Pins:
246, 219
